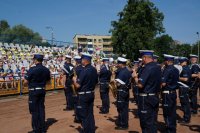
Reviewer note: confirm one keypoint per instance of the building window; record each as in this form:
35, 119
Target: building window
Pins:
89, 40
90, 46
106, 40
107, 52
99, 40
95, 40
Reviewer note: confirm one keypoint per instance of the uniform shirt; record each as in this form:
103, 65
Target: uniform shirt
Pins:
1, 70
88, 78
170, 76
69, 67
150, 78
9, 71
186, 73
117, 71
17, 70
124, 74
69, 73
105, 74
38, 76
78, 70
139, 71
194, 70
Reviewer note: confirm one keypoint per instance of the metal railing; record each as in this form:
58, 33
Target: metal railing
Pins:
11, 85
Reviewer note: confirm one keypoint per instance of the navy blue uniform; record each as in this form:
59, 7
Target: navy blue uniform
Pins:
87, 80
135, 87
1, 72
194, 87
78, 70
37, 78
148, 100
104, 78
123, 97
183, 93
68, 86
170, 77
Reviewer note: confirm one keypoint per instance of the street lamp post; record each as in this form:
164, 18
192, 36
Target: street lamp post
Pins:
52, 34
198, 44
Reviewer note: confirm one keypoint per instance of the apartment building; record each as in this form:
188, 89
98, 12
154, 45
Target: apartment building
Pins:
99, 42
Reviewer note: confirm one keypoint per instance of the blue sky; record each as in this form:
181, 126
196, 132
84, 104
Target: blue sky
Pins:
70, 17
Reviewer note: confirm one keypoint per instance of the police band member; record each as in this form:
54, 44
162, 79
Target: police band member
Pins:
37, 78
135, 88
148, 83
104, 79
68, 73
85, 85
122, 78
170, 78
155, 58
194, 83
78, 70
185, 79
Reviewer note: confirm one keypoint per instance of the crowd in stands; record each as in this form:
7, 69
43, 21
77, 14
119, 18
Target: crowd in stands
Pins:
16, 59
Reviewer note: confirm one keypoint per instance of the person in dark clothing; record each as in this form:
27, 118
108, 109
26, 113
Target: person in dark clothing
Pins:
68, 71
37, 78
104, 79
170, 78
85, 85
185, 79
123, 80
195, 70
148, 82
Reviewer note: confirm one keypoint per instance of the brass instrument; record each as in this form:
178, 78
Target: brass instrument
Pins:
113, 87
113, 68
73, 86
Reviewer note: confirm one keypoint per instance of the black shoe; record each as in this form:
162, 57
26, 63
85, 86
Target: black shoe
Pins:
184, 121
67, 109
194, 112
117, 123
31, 132
77, 121
103, 112
121, 128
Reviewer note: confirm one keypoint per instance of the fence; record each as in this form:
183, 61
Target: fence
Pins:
11, 85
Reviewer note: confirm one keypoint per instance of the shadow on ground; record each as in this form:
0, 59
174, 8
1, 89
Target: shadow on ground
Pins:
49, 122
194, 128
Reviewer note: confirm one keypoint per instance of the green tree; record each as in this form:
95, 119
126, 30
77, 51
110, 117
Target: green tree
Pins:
19, 34
183, 50
138, 24
194, 48
163, 45
4, 25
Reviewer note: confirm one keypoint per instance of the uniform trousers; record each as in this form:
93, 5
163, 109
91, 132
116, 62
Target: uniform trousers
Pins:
37, 110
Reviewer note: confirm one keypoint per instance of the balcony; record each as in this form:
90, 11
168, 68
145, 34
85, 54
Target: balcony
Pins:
106, 43
107, 49
82, 42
